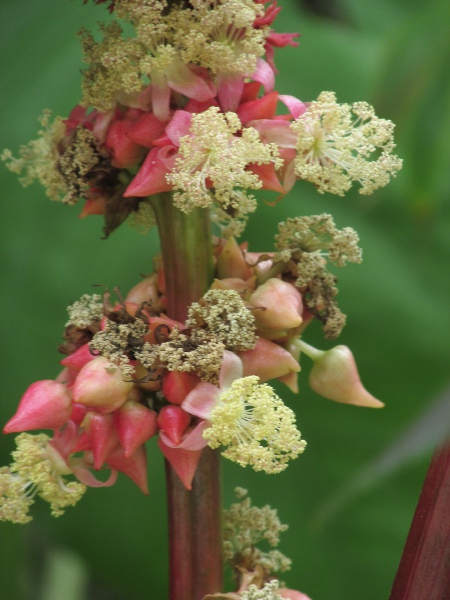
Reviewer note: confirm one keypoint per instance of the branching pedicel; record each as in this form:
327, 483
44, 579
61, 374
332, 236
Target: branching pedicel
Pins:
176, 124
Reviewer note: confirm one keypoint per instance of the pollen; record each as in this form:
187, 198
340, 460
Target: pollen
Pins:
245, 526
256, 426
338, 144
86, 311
213, 161
37, 469
222, 36
305, 245
39, 157
268, 592
223, 313
118, 342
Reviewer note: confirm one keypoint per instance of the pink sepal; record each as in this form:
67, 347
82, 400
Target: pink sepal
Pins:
202, 400
192, 438
250, 91
151, 177
45, 405
229, 91
268, 360
177, 385
102, 435
93, 206
281, 40
264, 74
295, 106
64, 440
275, 131
83, 475
179, 126
262, 108
268, 176
78, 359
125, 152
230, 370
135, 424
184, 461
173, 421
134, 466
146, 130
184, 81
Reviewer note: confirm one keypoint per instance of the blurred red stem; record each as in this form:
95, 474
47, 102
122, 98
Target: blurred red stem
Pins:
424, 570
195, 553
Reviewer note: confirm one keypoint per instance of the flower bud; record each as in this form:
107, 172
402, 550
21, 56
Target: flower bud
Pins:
102, 436
45, 405
281, 309
78, 359
100, 389
335, 376
231, 262
173, 421
135, 424
177, 385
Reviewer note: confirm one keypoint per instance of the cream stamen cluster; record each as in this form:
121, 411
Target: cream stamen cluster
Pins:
222, 37
268, 592
213, 156
255, 425
223, 313
116, 341
86, 311
37, 469
245, 526
337, 142
39, 157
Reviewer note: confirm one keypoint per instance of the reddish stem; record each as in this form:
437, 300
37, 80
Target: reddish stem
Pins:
195, 545
424, 570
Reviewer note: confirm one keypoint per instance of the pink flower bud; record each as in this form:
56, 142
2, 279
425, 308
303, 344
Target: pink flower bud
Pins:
292, 594
45, 405
102, 436
231, 262
268, 360
134, 466
281, 309
145, 291
135, 424
177, 385
125, 152
335, 376
98, 389
78, 359
173, 421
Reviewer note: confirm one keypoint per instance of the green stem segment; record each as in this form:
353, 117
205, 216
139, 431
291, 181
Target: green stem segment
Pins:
195, 547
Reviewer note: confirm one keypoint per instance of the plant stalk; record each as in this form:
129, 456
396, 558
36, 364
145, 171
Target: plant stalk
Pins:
195, 546
424, 570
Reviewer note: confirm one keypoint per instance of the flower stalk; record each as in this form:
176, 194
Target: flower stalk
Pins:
195, 551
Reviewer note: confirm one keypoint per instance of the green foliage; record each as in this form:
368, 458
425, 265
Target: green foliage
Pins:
391, 54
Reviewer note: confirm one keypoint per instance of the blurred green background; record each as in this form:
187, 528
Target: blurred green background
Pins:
350, 498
